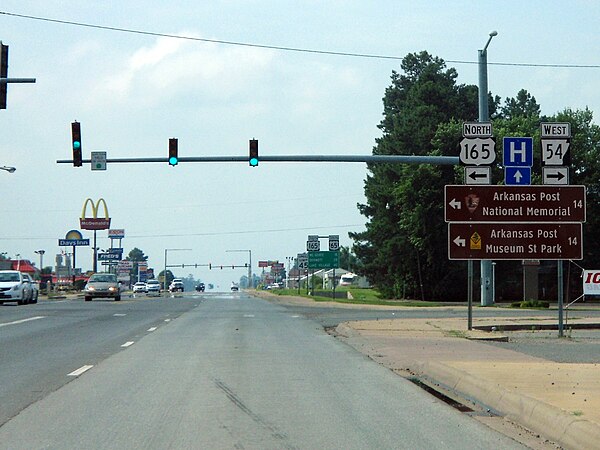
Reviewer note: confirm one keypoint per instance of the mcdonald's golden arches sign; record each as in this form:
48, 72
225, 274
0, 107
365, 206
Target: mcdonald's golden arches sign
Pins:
94, 222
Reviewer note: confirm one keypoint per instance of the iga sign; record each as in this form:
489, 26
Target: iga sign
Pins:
591, 282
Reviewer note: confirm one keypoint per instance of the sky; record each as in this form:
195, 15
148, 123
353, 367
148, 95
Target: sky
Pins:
131, 92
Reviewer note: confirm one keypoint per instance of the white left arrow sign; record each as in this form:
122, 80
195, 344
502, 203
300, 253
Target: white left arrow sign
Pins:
455, 204
460, 241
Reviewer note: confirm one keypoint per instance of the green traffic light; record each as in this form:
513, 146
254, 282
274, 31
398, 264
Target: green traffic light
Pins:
76, 145
173, 160
254, 162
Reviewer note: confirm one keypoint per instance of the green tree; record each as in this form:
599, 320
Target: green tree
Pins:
137, 256
585, 163
403, 250
161, 278
523, 105
348, 260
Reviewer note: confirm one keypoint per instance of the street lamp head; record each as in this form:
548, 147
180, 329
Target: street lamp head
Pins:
8, 169
492, 34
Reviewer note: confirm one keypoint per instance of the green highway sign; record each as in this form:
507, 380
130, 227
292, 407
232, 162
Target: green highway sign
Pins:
323, 260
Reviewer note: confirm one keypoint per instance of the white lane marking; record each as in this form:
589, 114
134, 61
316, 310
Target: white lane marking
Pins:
22, 321
127, 344
295, 317
152, 329
79, 371
167, 320
248, 315
119, 315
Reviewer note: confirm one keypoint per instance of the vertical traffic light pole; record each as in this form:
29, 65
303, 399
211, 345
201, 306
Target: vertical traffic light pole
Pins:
4, 80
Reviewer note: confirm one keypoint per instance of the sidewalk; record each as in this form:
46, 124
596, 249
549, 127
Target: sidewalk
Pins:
558, 400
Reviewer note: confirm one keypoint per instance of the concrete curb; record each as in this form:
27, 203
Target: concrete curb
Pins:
551, 422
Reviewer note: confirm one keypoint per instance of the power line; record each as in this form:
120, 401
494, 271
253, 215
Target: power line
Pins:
282, 48
210, 233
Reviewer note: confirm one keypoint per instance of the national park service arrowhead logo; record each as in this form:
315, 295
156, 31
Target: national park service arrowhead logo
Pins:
472, 202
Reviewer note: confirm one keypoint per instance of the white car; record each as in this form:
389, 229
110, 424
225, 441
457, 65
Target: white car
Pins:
138, 287
35, 289
176, 285
152, 287
16, 287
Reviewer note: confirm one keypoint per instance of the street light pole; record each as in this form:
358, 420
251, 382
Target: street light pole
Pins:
250, 281
487, 280
289, 259
165, 272
41, 253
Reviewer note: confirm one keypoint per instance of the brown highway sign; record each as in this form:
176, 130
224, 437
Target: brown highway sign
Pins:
495, 203
515, 240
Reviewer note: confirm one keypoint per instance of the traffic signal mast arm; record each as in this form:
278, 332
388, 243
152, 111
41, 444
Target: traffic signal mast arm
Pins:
398, 159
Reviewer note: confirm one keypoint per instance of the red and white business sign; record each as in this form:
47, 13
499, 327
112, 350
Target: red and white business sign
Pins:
591, 282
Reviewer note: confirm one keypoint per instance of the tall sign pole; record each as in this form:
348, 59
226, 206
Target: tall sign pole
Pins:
486, 265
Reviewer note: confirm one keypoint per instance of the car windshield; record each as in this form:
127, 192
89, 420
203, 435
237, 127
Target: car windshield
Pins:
103, 278
9, 277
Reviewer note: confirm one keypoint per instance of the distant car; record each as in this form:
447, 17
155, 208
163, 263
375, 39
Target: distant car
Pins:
16, 287
102, 285
234, 287
140, 286
200, 287
153, 287
35, 289
176, 285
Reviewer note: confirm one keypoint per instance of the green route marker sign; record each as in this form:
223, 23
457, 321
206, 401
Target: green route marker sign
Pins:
323, 260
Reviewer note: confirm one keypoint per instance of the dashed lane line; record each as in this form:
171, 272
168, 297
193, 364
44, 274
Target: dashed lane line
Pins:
22, 321
152, 329
127, 344
79, 371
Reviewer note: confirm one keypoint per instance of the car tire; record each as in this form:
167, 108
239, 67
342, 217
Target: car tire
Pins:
118, 298
88, 298
35, 299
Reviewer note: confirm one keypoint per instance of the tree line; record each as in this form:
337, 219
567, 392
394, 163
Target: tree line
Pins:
403, 250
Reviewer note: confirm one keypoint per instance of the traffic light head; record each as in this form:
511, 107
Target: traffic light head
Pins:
253, 158
173, 158
76, 143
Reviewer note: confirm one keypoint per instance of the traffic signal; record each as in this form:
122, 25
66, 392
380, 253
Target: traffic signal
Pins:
209, 266
76, 139
253, 159
3, 74
173, 158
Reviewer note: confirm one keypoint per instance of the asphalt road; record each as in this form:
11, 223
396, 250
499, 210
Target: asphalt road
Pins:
225, 371
40, 344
